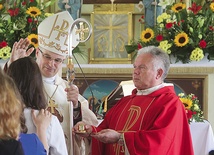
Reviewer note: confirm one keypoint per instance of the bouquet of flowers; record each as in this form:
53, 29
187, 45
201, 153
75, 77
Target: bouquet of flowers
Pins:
185, 33
20, 19
191, 104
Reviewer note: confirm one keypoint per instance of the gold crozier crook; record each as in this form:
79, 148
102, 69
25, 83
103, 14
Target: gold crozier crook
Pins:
79, 22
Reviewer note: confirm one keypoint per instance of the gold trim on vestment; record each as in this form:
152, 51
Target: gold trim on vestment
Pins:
130, 124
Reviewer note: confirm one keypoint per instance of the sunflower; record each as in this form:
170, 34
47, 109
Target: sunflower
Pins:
33, 40
1, 6
212, 6
186, 102
147, 35
33, 11
178, 7
181, 39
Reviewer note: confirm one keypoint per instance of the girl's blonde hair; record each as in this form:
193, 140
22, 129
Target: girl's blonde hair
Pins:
11, 108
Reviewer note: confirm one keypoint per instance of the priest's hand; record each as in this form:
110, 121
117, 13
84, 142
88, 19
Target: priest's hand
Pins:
107, 136
19, 50
72, 95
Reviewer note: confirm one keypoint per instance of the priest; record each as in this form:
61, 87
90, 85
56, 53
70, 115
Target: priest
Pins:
150, 121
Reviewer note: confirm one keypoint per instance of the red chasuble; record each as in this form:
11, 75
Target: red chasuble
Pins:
154, 124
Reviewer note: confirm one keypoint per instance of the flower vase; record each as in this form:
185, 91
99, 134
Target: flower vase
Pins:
172, 60
210, 56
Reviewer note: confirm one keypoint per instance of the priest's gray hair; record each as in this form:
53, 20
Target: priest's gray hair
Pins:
160, 58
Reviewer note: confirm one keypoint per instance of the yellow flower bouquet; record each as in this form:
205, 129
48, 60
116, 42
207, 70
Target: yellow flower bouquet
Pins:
20, 19
193, 109
185, 33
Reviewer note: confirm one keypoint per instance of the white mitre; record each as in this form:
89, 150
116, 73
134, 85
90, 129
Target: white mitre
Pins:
54, 33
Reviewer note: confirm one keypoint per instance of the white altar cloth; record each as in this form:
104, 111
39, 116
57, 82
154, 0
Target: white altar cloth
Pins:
202, 137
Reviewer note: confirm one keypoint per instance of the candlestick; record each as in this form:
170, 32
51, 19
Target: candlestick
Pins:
112, 5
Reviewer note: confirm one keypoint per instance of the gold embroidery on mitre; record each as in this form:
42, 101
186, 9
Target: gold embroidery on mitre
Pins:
51, 44
61, 31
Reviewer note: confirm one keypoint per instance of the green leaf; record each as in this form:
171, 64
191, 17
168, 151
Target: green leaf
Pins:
131, 48
47, 4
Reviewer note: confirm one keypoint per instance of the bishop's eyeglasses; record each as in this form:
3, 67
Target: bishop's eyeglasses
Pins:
48, 58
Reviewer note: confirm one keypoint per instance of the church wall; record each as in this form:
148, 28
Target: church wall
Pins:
210, 97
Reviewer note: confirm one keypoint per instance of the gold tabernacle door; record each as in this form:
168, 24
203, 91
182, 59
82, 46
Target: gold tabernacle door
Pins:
112, 30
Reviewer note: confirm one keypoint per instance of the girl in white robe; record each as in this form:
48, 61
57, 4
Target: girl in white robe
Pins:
26, 74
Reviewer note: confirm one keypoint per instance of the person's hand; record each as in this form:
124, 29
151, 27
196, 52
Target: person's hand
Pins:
41, 120
88, 129
72, 95
107, 136
19, 50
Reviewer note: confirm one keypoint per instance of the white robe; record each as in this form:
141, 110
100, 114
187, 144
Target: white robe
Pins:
80, 146
55, 135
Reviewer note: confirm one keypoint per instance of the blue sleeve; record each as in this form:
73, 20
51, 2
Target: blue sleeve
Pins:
32, 145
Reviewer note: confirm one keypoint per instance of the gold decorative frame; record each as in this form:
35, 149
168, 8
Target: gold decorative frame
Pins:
110, 41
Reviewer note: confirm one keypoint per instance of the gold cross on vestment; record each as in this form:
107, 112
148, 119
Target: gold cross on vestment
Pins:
52, 105
82, 30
